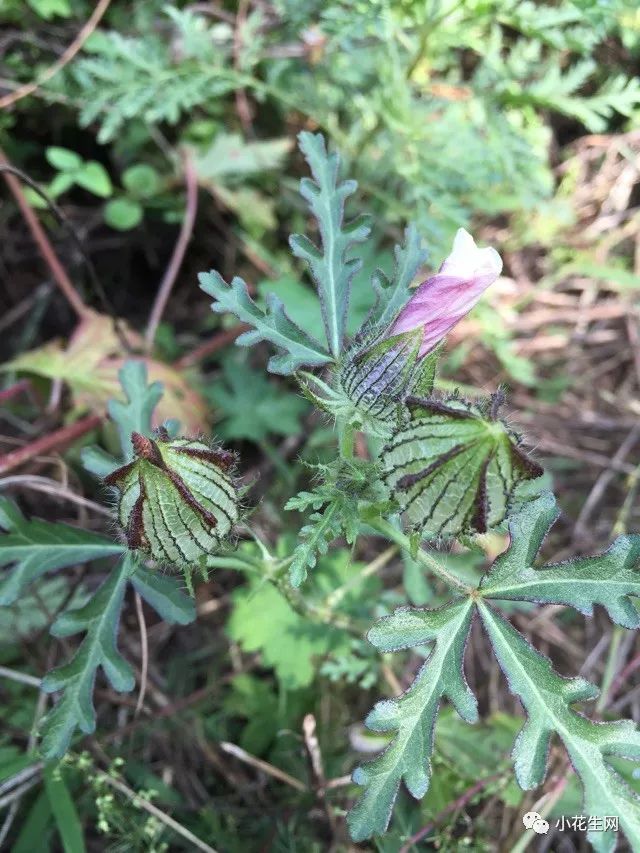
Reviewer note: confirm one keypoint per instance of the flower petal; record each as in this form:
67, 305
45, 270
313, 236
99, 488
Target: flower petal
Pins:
444, 299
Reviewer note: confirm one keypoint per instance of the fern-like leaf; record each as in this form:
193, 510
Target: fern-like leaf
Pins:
332, 270
548, 698
608, 579
272, 325
412, 716
315, 538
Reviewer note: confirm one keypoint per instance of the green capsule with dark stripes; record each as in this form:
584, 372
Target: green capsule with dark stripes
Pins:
455, 468
178, 501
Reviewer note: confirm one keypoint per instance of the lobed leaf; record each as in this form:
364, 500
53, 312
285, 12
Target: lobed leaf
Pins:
272, 325
263, 620
412, 716
166, 597
253, 405
330, 267
315, 538
454, 468
99, 618
135, 414
608, 579
547, 698
36, 547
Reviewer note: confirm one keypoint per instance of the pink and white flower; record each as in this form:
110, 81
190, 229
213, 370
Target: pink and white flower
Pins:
444, 299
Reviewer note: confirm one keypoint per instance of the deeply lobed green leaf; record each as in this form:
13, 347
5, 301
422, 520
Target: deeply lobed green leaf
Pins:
135, 414
608, 579
99, 618
547, 699
36, 547
330, 265
272, 325
412, 716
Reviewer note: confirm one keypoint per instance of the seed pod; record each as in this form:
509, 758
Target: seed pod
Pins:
178, 501
455, 468
376, 373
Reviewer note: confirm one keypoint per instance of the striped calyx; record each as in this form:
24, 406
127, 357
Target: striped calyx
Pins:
375, 376
177, 501
454, 468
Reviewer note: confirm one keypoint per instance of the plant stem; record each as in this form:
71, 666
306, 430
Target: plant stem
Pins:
303, 608
370, 569
168, 280
610, 668
387, 529
346, 435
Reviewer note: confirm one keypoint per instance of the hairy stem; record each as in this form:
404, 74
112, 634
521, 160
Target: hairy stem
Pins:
346, 438
428, 561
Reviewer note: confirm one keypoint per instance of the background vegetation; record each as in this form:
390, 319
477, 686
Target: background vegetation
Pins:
166, 136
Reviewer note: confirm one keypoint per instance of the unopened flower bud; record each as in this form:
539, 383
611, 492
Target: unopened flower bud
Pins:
178, 500
446, 297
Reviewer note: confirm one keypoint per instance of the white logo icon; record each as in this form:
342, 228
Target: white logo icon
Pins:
534, 821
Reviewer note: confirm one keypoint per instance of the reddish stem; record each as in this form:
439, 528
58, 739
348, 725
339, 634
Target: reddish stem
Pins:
164, 291
46, 249
622, 677
461, 801
217, 342
13, 390
56, 440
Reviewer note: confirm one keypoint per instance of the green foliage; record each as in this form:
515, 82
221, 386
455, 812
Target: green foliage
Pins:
252, 406
266, 713
141, 183
64, 810
135, 77
323, 527
231, 158
228, 165
123, 213
48, 9
36, 547
393, 293
72, 171
441, 111
336, 511
263, 620
99, 618
271, 325
547, 699
164, 595
610, 579
332, 265
454, 468
134, 415
412, 716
